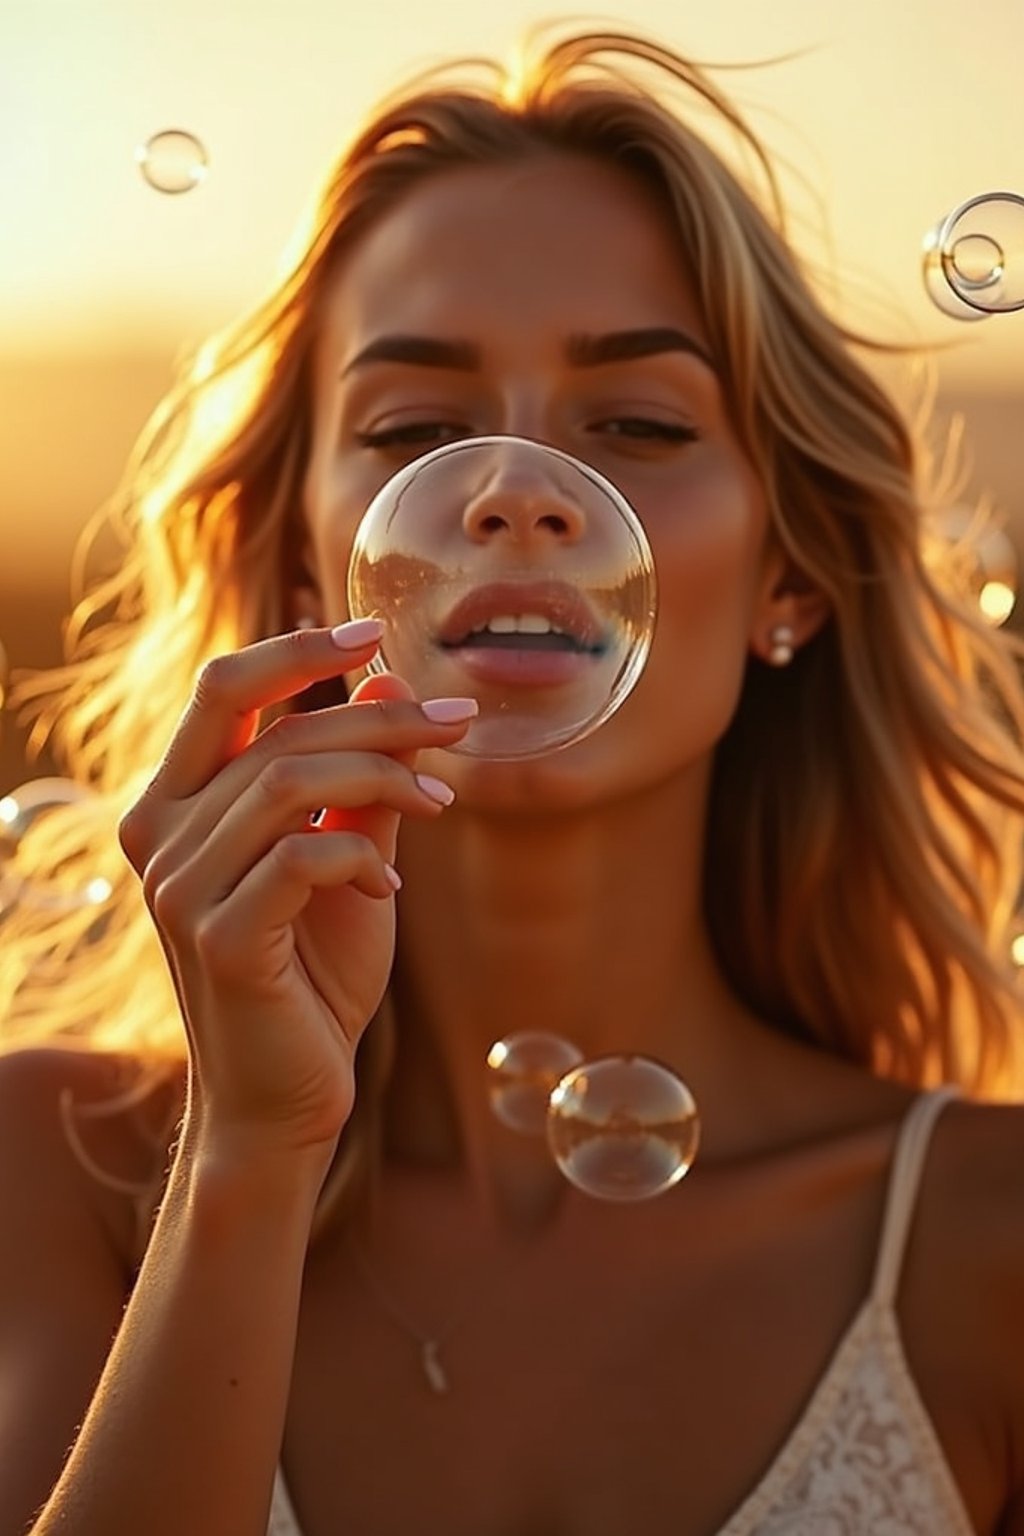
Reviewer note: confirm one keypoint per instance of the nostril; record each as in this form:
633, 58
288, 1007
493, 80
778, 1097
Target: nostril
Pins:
554, 523
492, 524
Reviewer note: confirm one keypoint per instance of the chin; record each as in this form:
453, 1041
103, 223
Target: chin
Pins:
613, 764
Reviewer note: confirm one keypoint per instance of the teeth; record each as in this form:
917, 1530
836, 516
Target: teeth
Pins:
518, 624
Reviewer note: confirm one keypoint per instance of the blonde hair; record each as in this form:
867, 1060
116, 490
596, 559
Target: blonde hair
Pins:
862, 864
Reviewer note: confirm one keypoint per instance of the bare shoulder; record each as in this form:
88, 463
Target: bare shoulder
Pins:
74, 1137
964, 1289
68, 1236
975, 1182
960, 1303
971, 1213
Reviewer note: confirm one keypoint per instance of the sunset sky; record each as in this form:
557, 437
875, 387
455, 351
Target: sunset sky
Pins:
893, 111
896, 110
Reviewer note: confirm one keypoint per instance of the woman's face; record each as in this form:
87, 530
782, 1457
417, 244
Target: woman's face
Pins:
512, 280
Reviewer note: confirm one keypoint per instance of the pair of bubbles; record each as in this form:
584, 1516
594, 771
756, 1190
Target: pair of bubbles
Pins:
973, 263
973, 258
621, 1128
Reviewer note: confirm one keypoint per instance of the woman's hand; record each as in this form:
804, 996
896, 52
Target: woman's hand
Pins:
279, 935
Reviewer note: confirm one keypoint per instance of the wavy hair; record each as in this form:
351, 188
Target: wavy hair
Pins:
863, 852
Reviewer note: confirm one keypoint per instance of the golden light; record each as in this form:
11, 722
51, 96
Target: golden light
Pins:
986, 557
996, 601
497, 1055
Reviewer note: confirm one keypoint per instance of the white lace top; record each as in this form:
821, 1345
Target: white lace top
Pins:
864, 1458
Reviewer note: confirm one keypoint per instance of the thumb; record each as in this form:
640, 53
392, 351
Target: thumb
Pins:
381, 685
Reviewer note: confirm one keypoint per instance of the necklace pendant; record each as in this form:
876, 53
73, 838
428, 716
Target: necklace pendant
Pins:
433, 1370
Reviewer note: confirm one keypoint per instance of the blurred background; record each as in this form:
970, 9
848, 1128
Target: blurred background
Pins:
887, 115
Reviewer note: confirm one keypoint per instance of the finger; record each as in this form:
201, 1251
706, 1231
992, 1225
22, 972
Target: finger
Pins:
232, 691
379, 824
377, 687
396, 727
276, 891
278, 804
381, 685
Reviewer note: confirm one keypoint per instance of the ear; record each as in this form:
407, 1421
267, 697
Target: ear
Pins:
788, 612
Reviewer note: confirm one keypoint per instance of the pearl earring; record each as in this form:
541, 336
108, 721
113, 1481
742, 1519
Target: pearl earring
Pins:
781, 645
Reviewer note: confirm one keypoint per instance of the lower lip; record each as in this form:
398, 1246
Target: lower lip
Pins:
521, 669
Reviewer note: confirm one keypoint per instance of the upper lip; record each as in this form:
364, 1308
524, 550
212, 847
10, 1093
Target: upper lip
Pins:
561, 604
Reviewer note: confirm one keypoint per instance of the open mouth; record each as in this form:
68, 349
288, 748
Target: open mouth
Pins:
524, 616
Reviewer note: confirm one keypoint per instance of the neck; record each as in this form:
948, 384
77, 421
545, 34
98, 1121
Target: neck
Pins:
586, 926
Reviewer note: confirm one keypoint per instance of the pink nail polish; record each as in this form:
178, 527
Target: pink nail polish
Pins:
450, 711
435, 789
394, 879
356, 633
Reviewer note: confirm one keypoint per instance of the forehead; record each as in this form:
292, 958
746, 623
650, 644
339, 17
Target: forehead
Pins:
512, 253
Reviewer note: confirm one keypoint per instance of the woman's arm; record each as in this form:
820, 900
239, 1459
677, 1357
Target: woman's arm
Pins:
182, 1433
279, 939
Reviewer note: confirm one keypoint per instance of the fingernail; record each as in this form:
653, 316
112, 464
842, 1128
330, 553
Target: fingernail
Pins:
435, 789
450, 711
357, 632
394, 879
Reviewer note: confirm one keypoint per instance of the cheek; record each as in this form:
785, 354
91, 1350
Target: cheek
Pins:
334, 504
707, 550
707, 553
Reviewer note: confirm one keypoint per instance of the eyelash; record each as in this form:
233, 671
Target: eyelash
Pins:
663, 431
414, 435
636, 428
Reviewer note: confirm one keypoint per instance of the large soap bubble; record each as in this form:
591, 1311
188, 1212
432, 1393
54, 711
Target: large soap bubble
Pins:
510, 571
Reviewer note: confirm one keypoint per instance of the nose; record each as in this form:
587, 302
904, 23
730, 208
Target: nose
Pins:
521, 497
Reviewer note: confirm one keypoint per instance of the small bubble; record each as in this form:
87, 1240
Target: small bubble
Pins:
973, 261
172, 161
623, 1127
523, 1069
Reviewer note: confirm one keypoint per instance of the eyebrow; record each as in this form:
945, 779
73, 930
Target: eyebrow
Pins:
581, 351
625, 346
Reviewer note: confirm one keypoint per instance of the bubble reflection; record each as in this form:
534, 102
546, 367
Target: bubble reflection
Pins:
172, 161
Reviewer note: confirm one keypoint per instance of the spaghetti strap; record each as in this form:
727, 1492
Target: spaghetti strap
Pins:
904, 1179
283, 1519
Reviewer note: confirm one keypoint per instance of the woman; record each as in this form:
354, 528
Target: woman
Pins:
785, 867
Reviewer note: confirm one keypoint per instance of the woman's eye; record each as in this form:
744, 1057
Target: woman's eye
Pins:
412, 434
647, 429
